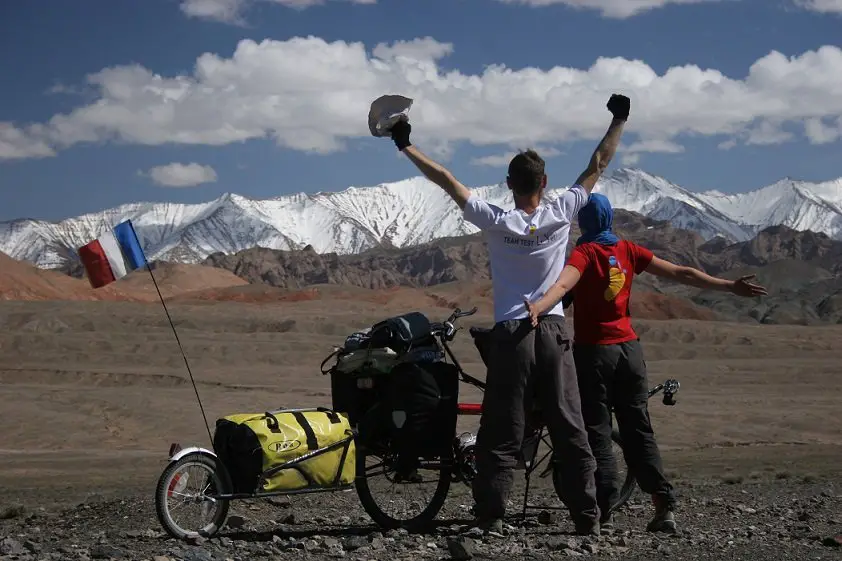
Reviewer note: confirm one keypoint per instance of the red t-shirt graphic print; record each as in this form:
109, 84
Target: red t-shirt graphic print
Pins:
601, 297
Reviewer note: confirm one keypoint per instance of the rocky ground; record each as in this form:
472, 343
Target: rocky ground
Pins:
765, 520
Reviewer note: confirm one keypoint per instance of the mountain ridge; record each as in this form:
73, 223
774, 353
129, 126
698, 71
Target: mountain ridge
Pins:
406, 213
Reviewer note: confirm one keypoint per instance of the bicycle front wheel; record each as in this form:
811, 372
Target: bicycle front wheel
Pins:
396, 496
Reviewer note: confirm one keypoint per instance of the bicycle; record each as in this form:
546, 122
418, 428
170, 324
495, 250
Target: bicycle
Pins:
453, 463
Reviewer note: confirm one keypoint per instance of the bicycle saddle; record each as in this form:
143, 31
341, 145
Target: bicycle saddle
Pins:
479, 331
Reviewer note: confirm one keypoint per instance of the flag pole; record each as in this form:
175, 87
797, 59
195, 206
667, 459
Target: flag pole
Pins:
172, 326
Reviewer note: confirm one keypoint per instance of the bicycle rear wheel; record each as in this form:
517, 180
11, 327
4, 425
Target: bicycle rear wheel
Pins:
401, 497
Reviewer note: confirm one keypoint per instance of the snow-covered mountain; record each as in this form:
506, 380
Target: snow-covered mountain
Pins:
406, 213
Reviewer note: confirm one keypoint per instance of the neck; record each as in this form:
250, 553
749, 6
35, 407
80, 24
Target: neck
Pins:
527, 203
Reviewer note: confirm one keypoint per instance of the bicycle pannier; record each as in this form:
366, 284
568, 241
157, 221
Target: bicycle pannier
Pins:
255, 446
421, 407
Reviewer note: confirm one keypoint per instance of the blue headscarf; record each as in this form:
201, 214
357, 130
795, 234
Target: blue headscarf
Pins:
595, 220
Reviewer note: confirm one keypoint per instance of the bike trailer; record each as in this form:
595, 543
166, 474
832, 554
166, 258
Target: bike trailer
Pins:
287, 449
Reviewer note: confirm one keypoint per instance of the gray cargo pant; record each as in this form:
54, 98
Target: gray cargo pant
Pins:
527, 363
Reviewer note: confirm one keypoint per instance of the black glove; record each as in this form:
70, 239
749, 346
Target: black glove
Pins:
619, 106
400, 134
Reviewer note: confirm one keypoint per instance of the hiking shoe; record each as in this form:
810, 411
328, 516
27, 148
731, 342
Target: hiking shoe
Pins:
663, 521
484, 526
587, 527
606, 526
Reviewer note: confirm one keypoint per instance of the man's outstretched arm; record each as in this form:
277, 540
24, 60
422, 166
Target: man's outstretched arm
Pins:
619, 107
433, 171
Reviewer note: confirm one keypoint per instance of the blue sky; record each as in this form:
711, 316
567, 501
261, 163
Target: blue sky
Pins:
285, 116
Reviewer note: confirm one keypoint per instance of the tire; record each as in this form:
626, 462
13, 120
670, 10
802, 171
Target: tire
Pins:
629, 484
221, 483
416, 523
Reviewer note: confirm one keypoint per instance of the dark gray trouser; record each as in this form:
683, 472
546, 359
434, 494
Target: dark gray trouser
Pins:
524, 364
615, 376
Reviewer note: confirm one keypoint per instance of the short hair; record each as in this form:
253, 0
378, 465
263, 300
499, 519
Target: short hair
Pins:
526, 172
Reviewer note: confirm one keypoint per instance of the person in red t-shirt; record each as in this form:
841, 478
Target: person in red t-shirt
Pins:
609, 359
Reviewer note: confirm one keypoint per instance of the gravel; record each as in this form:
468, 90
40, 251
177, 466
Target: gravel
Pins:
758, 521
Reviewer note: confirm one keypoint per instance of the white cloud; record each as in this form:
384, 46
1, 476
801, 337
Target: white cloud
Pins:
631, 154
821, 6
226, 11
232, 11
612, 8
502, 160
819, 133
182, 175
19, 144
311, 95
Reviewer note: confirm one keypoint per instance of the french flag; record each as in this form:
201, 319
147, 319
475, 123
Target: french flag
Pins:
113, 255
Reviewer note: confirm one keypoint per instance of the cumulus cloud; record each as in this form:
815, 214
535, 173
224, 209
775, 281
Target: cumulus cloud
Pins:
182, 175
313, 95
502, 160
820, 133
20, 144
631, 154
822, 6
233, 11
615, 8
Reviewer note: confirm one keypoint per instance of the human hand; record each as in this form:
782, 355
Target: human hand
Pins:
400, 134
619, 106
534, 312
741, 287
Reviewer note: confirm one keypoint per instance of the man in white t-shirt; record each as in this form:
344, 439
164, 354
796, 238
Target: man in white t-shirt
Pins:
526, 248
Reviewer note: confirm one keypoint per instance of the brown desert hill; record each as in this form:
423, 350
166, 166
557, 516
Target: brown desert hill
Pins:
23, 281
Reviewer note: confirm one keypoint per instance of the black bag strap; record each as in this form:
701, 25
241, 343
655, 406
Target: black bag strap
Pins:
312, 443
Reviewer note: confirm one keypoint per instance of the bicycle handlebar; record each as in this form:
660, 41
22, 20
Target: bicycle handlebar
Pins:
446, 330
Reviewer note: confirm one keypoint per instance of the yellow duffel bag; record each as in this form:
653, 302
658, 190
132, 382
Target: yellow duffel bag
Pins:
255, 446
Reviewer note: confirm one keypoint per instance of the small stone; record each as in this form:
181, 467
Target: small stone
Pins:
331, 542
288, 519
226, 542
31, 546
460, 548
591, 548
355, 542
105, 551
547, 517
160, 558
235, 522
197, 554
10, 546
196, 540
13, 511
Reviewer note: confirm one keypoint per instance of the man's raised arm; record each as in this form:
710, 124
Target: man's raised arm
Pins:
433, 171
619, 107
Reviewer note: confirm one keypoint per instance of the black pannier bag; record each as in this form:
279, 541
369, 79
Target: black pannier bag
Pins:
392, 380
239, 451
421, 405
